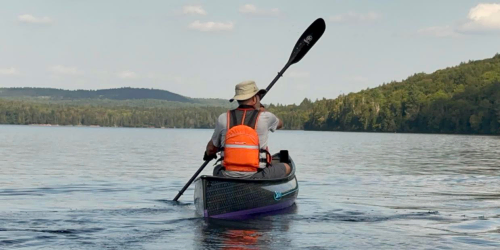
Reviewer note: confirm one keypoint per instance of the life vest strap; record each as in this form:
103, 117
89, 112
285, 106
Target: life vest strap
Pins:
248, 117
234, 119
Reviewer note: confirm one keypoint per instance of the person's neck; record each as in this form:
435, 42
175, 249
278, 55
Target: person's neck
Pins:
246, 106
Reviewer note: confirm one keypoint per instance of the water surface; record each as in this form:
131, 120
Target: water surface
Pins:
110, 188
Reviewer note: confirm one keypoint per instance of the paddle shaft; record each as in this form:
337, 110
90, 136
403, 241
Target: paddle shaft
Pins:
280, 74
191, 180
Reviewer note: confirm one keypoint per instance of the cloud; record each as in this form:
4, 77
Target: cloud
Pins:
65, 70
194, 9
439, 31
9, 71
481, 18
356, 18
251, 9
27, 18
127, 75
211, 26
297, 74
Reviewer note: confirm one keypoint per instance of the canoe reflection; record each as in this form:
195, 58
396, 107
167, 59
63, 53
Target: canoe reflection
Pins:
253, 233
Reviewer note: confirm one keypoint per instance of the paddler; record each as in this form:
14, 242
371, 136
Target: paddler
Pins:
241, 136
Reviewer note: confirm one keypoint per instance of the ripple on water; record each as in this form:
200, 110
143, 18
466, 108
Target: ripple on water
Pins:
111, 188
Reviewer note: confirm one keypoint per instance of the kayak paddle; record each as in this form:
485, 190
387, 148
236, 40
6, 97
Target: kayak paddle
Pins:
312, 34
303, 45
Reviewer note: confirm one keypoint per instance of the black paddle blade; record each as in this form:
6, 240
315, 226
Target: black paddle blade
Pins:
307, 40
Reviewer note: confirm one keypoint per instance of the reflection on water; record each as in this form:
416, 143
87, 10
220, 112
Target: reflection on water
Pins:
247, 234
110, 188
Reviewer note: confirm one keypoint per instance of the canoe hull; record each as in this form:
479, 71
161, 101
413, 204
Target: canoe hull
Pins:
229, 198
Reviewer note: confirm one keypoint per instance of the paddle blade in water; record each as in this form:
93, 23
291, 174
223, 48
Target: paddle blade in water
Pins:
307, 40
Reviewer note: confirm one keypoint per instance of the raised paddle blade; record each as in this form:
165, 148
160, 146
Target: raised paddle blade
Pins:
307, 40
312, 34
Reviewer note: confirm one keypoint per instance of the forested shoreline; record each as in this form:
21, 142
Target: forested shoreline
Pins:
459, 100
22, 112
464, 99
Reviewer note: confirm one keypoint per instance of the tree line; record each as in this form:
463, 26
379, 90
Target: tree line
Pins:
464, 99
22, 112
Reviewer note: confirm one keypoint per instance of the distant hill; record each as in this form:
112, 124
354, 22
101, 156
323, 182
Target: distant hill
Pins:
114, 94
464, 99
134, 97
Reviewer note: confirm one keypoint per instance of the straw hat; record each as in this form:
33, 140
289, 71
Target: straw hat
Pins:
246, 90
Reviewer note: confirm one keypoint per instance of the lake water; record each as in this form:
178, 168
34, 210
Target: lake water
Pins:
110, 188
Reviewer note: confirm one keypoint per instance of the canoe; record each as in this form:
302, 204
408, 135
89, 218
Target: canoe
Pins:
234, 198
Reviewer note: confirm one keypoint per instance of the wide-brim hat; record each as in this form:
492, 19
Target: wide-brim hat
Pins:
246, 90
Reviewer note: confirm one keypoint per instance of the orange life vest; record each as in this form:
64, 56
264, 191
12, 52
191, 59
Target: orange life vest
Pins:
241, 147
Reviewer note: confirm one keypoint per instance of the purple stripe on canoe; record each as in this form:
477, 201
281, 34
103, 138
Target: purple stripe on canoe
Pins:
243, 213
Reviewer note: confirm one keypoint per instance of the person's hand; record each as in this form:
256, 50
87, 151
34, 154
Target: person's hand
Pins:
209, 157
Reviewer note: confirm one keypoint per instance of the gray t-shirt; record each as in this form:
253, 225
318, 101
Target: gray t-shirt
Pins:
267, 122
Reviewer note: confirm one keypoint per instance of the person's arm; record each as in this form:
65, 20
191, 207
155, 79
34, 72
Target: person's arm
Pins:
214, 143
211, 148
277, 121
210, 151
280, 124
274, 122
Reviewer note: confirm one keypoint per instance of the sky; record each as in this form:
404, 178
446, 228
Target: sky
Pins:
203, 48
